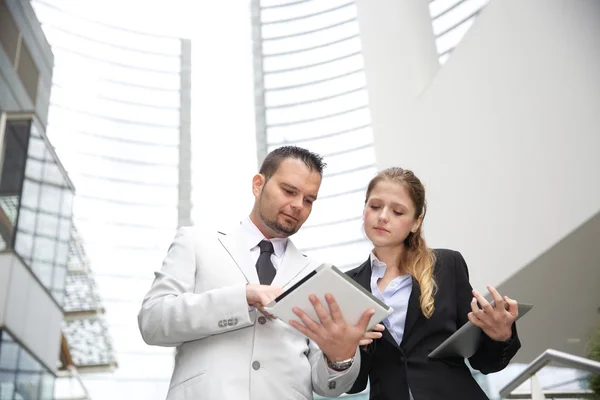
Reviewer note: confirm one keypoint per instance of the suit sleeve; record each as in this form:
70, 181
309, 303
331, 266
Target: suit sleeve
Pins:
172, 313
491, 356
325, 382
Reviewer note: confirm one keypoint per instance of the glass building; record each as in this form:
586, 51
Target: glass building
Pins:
35, 219
310, 91
120, 120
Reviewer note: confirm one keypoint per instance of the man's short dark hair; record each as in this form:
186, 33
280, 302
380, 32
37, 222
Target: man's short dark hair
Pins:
272, 161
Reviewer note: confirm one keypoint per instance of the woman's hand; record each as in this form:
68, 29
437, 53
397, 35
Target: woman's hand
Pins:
371, 335
495, 321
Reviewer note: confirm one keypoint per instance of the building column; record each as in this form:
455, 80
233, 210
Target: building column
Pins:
400, 61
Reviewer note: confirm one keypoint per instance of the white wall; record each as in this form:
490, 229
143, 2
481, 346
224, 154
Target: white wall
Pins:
29, 312
507, 135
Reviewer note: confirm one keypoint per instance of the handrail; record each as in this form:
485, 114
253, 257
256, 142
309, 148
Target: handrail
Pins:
548, 356
553, 394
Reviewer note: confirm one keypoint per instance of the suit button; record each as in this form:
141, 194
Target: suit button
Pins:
262, 320
256, 365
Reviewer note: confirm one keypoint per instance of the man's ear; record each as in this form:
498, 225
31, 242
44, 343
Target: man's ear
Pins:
258, 183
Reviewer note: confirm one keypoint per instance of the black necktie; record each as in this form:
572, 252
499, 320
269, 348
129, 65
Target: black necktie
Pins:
264, 266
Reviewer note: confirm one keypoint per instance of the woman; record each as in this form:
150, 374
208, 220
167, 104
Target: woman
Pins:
431, 296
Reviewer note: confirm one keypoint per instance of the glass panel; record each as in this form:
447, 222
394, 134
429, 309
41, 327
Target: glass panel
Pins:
307, 24
140, 42
112, 107
60, 274
50, 199
355, 80
317, 109
53, 175
299, 9
43, 271
293, 43
27, 220
31, 194
34, 169
112, 128
95, 47
121, 91
45, 248
317, 128
7, 385
47, 224
28, 377
67, 60
24, 245
308, 57
66, 209
12, 169
64, 229
47, 387
307, 74
62, 253
37, 148
9, 352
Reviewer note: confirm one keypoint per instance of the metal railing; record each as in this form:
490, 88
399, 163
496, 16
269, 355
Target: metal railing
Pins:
547, 357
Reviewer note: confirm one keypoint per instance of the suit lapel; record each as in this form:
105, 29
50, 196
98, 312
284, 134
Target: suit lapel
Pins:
364, 278
413, 312
292, 265
234, 242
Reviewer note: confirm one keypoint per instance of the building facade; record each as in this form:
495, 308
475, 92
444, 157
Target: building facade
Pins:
120, 120
35, 212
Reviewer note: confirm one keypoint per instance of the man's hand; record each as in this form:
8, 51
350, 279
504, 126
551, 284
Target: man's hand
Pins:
260, 295
495, 321
371, 335
337, 339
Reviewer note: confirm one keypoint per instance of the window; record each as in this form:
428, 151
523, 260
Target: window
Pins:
22, 376
35, 204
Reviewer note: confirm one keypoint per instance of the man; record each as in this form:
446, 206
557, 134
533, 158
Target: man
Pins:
208, 301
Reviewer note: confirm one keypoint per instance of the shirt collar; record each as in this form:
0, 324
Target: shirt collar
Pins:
377, 267
254, 236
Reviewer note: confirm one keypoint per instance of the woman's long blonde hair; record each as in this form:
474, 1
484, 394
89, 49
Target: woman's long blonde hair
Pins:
418, 259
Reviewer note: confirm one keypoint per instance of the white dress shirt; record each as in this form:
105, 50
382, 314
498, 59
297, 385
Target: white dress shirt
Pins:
254, 237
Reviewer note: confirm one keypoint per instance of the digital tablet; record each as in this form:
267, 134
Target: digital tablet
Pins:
352, 298
465, 341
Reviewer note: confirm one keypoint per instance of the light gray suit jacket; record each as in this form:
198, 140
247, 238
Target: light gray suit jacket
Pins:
197, 302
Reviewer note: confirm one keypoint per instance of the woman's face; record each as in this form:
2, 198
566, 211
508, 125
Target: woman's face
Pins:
389, 214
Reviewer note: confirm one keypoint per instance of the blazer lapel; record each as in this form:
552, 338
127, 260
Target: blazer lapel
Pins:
234, 244
363, 277
413, 312
292, 266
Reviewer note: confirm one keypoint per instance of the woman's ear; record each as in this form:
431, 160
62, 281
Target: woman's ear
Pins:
417, 224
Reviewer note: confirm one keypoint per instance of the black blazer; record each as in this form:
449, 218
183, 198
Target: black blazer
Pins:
392, 368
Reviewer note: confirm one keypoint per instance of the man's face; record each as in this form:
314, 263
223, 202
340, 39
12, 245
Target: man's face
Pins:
284, 202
